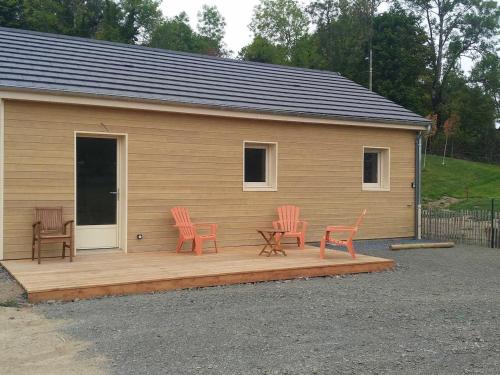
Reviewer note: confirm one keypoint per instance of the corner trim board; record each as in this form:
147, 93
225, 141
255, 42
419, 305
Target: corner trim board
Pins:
2, 143
128, 104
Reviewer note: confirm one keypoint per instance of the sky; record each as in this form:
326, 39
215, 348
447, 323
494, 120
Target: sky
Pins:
237, 13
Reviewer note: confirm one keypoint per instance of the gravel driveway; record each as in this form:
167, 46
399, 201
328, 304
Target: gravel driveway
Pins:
437, 313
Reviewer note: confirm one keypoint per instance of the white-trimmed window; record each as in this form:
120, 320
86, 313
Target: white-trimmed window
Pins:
376, 168
260, 166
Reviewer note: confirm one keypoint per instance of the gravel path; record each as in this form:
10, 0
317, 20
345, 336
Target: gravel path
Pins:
437, 313
11, 293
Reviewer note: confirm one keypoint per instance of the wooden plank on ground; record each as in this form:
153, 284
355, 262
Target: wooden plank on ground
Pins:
427, 245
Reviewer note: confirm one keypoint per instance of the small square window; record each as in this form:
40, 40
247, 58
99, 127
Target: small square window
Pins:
259, 166
371, 168
376, 165
255, 164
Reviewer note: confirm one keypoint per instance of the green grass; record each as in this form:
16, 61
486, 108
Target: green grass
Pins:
9, 303
471, 182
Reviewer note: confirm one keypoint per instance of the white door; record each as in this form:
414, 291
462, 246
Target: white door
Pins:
97, 193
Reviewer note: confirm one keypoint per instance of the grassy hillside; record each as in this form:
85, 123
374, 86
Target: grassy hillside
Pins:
470, 182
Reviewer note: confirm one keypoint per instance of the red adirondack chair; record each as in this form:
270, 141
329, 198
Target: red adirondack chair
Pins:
188, 231
347, 242
290, 223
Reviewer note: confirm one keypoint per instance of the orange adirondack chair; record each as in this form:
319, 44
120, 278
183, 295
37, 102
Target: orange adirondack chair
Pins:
188, 231
349, 231
290, 223
49, 227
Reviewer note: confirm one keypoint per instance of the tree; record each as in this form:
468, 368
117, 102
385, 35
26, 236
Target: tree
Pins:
429, 134
43, 16
211, 27
324, 14
110, 27
476, 138
262, 50
11, 13
449, 129
84, 17
141, 17
401, 60
281, 22
487, 74
455, 28
127, 21
344, 31
69, 17
175, 34
306, 53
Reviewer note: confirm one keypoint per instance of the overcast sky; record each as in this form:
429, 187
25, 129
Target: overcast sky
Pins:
237, 13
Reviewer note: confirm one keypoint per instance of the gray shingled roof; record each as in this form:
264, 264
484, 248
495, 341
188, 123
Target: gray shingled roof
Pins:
55, 63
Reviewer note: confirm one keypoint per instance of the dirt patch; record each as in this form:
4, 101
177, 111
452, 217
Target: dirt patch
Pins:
32, 344
443, 202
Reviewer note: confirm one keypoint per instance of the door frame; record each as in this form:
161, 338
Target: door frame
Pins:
122, 180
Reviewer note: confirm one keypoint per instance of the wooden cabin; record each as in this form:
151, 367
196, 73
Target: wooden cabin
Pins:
118, 135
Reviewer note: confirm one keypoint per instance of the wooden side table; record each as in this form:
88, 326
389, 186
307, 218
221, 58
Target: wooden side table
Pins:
274, 244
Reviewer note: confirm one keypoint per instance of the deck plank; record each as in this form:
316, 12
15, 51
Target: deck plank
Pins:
95, 275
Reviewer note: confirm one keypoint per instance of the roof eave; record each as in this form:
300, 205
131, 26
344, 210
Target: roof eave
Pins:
423, 125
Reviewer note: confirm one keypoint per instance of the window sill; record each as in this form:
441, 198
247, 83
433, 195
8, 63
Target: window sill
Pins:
375, 188
260, 188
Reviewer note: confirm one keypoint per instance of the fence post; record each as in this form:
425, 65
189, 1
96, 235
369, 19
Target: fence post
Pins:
493, 223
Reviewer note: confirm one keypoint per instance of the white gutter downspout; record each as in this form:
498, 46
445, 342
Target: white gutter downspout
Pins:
418, 186
2, 126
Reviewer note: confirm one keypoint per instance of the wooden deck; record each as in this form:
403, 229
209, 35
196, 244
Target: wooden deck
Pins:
95, 275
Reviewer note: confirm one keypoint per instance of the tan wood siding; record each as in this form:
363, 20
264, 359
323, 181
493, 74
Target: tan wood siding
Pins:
196, 161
